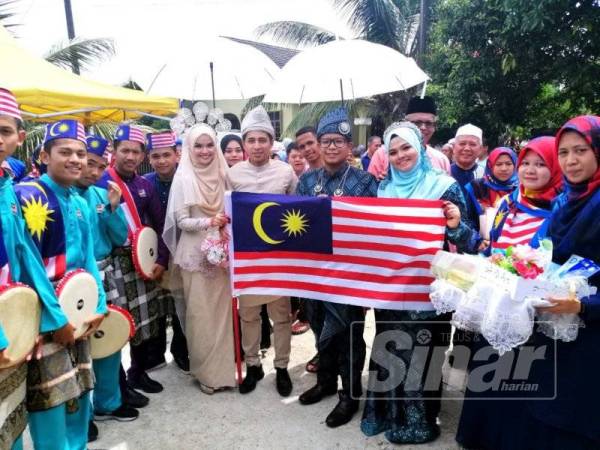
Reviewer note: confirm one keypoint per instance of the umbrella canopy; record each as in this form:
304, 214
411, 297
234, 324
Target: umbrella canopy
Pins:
239, 72
352, 68
46, 92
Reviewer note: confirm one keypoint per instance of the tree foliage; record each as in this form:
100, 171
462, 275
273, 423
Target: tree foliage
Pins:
87, 52
512, 66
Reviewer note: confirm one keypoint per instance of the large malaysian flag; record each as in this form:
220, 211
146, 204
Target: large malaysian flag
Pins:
371, 252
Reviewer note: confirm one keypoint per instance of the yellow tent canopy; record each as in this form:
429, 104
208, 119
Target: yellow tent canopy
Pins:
46, 92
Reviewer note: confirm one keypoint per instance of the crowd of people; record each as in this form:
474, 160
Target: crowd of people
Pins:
83, 201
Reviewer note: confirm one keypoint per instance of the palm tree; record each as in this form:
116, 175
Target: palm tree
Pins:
87, 52
6, 13
387, 22
393, 23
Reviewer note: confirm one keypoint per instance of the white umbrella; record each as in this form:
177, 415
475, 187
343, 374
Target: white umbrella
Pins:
344, 68
238, 71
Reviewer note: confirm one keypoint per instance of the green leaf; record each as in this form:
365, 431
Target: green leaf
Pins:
296, 34
87, 52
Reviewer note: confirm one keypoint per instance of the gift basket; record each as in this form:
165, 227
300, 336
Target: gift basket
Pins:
498, 296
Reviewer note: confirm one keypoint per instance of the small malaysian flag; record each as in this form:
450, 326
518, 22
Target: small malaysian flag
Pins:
373, 252
160, 140
126, 132
8, 104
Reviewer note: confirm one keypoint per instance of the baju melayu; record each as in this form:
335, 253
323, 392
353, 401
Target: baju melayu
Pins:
178, 343
140, 297
58, 384
20, 262
109, 230
274, 177
340, 342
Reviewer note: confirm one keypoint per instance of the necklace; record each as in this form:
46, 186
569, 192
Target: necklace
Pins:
339, 191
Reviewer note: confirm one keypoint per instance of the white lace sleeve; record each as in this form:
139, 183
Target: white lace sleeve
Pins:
191, 224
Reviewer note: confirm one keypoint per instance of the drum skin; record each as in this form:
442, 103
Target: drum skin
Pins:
77, 294
113, 333
144, 249
20, 315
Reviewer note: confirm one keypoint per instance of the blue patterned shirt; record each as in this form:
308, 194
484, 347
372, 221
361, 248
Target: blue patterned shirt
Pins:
357, 183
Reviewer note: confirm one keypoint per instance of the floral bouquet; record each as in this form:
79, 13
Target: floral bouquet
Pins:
216, 251
522, 260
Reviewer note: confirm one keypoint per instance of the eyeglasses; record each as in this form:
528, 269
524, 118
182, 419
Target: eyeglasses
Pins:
423, 123
338, 143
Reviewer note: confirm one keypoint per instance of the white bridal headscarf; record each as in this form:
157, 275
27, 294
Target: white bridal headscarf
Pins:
194, 185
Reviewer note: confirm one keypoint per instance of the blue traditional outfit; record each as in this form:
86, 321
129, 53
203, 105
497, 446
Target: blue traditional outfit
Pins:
109, 229
340, 343
140, 297
169, 294
59, 383
570, 420
492, 419
412, 420
20, 261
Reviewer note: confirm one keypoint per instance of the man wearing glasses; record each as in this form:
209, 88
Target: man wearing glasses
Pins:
422, 112
341, 346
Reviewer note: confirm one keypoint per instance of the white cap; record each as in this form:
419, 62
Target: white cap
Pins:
470, 130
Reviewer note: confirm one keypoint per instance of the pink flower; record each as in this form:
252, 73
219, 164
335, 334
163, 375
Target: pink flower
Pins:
529, 271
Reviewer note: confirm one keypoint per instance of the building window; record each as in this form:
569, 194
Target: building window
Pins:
275, 117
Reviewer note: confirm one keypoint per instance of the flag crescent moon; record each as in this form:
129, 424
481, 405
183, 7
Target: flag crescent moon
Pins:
53, 132
257, 222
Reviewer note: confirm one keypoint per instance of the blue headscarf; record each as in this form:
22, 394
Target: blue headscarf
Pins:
420, 182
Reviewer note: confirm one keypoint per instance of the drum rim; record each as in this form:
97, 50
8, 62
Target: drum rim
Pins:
70, 274
127, 315
136, 261
61, 285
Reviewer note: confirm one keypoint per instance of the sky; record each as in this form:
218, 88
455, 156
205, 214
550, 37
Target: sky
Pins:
144, 30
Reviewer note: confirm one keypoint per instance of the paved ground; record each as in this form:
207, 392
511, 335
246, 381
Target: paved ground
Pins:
184, 418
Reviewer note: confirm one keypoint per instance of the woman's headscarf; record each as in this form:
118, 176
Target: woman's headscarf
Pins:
488, 191
225, 140
194, 185
545, 148
575, 220
422, 181
588, 127
534, 203
490, 180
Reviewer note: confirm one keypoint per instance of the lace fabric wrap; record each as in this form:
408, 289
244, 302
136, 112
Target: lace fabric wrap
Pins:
489, 306
564, 326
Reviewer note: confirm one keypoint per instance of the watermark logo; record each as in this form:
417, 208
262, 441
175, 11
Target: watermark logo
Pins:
414, 360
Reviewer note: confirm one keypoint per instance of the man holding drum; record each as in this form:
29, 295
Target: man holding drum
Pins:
163, 157
19, 262
58, 397
109, 229
138, 269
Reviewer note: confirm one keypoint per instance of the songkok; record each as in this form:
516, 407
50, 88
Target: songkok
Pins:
97, 146
8, 104
470, 130
421, 105
126, 132
258, 120
335, 121
65, 129
160, 140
